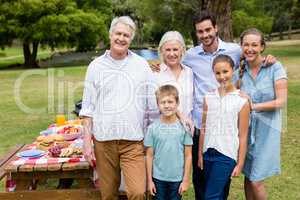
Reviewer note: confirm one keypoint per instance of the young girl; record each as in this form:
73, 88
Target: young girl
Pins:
169, 149
223, 139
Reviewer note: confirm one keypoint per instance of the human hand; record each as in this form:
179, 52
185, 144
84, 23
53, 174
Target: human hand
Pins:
183, 187
269, 60
244, 95
236, 171
88, 151
188, 124
200, 160
155, 66
152, 188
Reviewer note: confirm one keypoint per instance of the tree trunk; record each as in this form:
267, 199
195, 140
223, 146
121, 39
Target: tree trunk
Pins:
222, 10
30, 56
290, 30
281, 35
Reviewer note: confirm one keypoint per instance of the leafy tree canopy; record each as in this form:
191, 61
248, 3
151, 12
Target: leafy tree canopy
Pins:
52, 22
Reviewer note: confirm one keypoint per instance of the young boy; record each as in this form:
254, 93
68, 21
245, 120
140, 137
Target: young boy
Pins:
169, 149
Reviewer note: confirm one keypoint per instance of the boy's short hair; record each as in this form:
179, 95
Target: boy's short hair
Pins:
167, 90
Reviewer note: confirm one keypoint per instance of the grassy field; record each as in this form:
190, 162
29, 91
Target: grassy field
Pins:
51, 90
14, 55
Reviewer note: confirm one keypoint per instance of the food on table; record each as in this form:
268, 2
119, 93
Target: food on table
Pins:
40, 138
66, 152
71, 152
45, 143
55, 150
69, 129
77, 151
70, 132
60, 140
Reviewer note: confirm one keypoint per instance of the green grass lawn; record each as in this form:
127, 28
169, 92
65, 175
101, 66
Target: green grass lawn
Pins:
14, 55
18, 126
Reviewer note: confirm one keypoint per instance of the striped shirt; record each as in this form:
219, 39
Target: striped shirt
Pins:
115, 96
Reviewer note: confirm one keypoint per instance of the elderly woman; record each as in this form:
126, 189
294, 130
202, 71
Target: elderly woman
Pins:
172, 72
171, 51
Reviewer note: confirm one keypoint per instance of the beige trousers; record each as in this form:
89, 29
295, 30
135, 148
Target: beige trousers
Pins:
114, 156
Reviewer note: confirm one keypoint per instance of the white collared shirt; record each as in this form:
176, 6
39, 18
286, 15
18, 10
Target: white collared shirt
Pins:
115, 96
184, 85
221, 130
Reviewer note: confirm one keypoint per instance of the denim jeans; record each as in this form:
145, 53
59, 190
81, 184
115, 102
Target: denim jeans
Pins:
198, 174
166, 190
217, 172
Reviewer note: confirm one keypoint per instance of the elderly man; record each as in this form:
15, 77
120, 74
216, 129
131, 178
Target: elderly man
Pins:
113, 109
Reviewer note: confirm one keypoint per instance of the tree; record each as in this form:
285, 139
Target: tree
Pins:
165, 15
222, 10
248, 14
281, 12
48, 22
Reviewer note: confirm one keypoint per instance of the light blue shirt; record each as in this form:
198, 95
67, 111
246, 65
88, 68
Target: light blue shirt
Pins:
204, 79
263, 153
262, 89
168, 142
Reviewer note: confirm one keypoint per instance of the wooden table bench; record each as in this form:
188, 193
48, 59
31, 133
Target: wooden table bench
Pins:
28, 178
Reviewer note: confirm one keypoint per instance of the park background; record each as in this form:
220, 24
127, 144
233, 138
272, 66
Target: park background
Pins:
46, 46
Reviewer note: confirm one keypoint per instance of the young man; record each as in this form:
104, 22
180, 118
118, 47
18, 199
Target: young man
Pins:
113, 110
199, 59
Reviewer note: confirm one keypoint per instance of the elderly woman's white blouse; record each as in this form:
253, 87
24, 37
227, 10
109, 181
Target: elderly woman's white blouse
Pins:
184, 85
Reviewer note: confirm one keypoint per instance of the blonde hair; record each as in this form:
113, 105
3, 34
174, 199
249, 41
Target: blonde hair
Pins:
171, 36
167, 90
126, 20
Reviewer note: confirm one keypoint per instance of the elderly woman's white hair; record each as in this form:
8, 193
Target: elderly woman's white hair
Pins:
171, 36
126, 20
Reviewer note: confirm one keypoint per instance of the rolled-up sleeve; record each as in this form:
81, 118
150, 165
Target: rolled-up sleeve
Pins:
151, 110
279, 72
89, 93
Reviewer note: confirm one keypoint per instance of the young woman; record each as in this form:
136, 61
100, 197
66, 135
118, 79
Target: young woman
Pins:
266, 88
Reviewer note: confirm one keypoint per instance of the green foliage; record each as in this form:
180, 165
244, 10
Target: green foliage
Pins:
87, 28
247, 14
166, 15
281, 11
242, 21
55, 22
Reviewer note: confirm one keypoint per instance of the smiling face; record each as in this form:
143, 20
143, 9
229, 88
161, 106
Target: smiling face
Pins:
167, 105
206, 32
223, 73
120, 39
252, 47
171, 53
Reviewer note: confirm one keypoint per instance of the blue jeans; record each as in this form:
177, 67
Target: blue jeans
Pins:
198, 174
217, 172
166, 190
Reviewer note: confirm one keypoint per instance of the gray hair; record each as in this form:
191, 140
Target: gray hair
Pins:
171, 36
126, 20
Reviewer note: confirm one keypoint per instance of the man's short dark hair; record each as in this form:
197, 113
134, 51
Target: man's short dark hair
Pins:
204, 15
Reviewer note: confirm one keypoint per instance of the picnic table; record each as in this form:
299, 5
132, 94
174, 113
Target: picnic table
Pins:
29, 176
